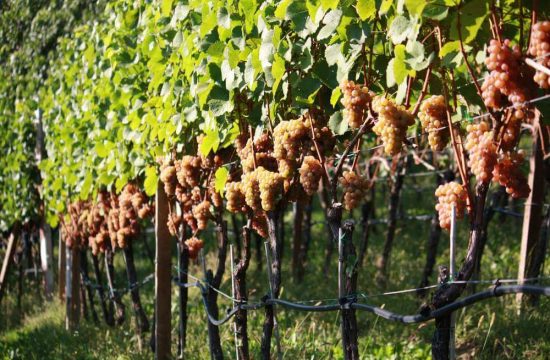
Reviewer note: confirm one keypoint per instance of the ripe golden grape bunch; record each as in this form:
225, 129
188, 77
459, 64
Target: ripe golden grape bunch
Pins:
433, 117
482, 151
356, 100
447, 195
392, 124
355, 188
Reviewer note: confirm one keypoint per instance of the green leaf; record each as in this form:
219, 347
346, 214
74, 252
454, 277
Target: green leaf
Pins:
399, 29
221, 176
151, 180
385, 6
333, 54
472, 18
366, 9
331, 21
415, 7
400, 70
211, 141
436, 10
451, 46
335, 96
337, 124
166, 7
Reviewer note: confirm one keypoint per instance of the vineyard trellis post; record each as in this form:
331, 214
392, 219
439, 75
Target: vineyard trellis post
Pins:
8, 259
452, 274
532, 216
61, 265
271, 309
46, 257
72, 287
163, 281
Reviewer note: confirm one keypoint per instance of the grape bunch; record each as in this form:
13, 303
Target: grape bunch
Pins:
259, 224
169, 179
251, 189
174, 223
310, 174
512, 128
355, 188
447, 195
271, 187
540, 49
215, 196
194, 245
288, 137
202, 214
482, 151
263, 150
508, 77
188, 170
433, 117
507, 173
235, 197
355, 100
392, 124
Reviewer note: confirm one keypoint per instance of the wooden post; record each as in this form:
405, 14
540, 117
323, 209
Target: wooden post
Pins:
45, 232
163, 281
46, 257
72, 292
62, 266
532, 215
12, 244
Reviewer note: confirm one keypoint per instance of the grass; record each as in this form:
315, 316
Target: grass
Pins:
485, 330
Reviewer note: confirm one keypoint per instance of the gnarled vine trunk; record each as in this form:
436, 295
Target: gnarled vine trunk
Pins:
241, 317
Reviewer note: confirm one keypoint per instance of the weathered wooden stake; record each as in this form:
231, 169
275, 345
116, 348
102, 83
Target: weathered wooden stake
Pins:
62, 266
163, 281
72, 291
8, 259
46, 257
452, 272
532, 215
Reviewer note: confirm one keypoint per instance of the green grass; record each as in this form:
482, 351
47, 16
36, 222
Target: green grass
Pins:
485, 330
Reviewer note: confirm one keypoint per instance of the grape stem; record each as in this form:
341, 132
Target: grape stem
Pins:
423, 91
533, 21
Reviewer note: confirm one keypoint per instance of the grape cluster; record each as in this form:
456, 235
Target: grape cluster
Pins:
392, 124
540, 48
251, 189
259, 224
507, 173
271, 187
235, 197
310, 174
263, 150
482, 151
202, 214
215, 196
433, 116
512, 128
287, 136
194, 245
174, 222
508, 77
168, 177
355, 100
447, 195
188, 170
355, 188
